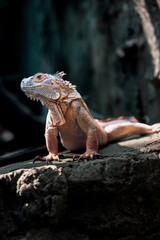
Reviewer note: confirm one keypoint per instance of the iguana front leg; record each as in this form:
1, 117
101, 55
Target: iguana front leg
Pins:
87, 124
91, 147
52, 147
51, 133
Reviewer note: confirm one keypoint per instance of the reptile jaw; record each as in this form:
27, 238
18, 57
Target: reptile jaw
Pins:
29, 92
33, 97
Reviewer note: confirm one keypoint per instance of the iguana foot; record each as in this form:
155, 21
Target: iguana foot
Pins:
49, 158
156, 127
88, 155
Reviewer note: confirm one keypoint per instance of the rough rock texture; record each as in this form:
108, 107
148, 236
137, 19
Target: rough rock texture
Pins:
114, 198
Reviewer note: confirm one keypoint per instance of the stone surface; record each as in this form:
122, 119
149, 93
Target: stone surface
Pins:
117, 197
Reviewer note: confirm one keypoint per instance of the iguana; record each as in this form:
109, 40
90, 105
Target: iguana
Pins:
69, 116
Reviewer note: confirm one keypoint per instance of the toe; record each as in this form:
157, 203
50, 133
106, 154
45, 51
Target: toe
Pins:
38, 158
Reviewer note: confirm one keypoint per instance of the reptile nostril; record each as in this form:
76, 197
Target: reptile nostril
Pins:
22, 83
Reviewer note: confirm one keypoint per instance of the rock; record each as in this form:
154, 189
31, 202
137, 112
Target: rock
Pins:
38, 195
117, 197
44, 190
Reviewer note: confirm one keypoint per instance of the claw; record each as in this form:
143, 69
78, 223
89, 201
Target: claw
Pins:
87, 156
92, 157
49, 158
74, 157
47, 162
58, 159
37, 158
34, 160
79, 159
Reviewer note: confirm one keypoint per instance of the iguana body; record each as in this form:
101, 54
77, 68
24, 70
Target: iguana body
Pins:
69, 116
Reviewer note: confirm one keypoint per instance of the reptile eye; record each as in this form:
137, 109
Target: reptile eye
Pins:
56, 95
39, 77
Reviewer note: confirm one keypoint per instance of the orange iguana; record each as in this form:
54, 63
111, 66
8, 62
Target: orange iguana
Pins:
69, 116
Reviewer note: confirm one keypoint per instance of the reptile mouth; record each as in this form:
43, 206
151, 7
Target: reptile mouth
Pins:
32, 96
25, 88
30, 91
28, 86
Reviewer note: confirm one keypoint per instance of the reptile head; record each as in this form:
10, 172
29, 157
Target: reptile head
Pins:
46, 87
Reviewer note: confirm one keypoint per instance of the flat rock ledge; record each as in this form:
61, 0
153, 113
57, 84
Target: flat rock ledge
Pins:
117, 197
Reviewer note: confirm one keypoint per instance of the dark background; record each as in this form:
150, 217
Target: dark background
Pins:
101, 46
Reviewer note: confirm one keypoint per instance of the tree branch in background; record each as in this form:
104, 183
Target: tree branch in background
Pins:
149, 32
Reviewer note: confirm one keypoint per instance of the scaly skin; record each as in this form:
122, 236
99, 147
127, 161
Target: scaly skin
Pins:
70, 117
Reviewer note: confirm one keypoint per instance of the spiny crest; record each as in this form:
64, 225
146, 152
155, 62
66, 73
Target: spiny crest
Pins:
60, 74
59, 77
